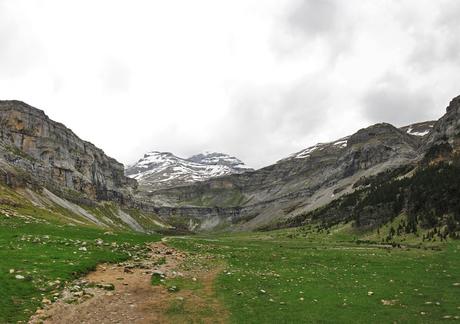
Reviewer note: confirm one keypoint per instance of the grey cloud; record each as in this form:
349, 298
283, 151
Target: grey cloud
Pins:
425, 53
440, 44
116, 76
18, 47
432, 51
264, 124
307, 21
314, 17
392, 101
449, 21
449, 15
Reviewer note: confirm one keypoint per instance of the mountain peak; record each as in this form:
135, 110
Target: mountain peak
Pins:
216, 158
157, 170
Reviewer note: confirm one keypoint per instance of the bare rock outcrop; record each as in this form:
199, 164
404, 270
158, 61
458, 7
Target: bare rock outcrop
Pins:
51, 155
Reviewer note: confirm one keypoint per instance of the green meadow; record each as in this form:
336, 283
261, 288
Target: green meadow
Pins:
271, 278
285, 276
37, 259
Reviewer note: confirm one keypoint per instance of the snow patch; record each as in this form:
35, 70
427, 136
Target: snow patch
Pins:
306, 153
342, 143
410, 131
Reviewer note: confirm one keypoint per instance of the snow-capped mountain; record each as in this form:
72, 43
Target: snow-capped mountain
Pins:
158, 170
213, 158
418, 129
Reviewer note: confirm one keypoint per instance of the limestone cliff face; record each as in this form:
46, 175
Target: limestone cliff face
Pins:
52, 155
447, 129
304, 181
37, 150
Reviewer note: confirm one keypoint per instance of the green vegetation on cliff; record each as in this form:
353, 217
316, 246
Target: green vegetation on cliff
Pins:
427, 202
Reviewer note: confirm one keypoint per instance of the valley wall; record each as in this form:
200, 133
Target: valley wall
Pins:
37, 153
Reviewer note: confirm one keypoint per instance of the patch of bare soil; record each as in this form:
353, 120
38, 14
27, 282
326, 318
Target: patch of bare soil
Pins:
123, 293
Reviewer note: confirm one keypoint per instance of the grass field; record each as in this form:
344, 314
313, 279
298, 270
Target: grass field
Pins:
36, 259
272, 279
285, 276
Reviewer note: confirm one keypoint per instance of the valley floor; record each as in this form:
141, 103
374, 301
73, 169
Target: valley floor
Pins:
125, 293
272, 277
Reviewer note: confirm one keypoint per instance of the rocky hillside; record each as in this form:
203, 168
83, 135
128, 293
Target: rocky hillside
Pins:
159, 170
54, 156
419, 129
425, 197
302, 182
49, 167
446, 131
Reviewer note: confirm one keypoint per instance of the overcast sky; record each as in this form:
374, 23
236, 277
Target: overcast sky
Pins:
255, 79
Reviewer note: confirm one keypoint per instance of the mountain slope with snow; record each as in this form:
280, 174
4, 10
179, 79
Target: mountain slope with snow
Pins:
158, 170
338, 145
301, 182
419, 129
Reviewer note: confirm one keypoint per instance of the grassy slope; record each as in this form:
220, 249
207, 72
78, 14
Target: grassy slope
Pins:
346, 233
334, 279
42, 244
218, 197
327, 269
44, 253
13, 202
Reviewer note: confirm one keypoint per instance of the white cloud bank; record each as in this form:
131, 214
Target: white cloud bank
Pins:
257, 79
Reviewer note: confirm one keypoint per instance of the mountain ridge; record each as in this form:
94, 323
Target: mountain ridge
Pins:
160, 170
55, 173
54, 157
264, 195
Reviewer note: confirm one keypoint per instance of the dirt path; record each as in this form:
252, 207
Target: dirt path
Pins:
124, 293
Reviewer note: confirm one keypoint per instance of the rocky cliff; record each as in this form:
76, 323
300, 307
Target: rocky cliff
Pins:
48, 172
37, 151
446, 131
302, 182
416, 199
52, 155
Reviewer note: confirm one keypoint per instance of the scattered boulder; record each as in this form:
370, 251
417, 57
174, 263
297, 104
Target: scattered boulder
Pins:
389, 302
46, 301
78, 293
108, 286
158, 273
173, 289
